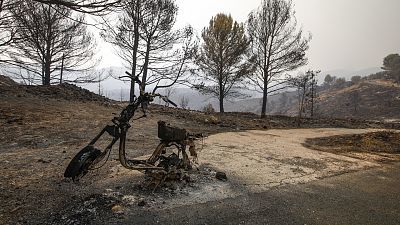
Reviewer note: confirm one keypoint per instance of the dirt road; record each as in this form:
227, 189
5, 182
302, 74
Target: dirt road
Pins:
260, 164
359, 198
255, 161
273, 179
262, 159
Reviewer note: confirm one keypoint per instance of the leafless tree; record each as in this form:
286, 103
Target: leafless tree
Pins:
277, 46
168, 92
170, 66
167, 52
304, 84
146, 42
184, 102
355, 99
96, 7
125, 36
49, 42
313, 91
7, 29
208, 109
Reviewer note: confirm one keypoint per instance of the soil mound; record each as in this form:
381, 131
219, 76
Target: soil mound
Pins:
380, 142
6, 81
65, 91
71, 92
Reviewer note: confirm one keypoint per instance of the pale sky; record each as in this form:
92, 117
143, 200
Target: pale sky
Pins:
347, 34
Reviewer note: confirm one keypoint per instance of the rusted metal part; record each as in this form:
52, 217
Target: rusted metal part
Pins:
175, 164
171, 134
159, 165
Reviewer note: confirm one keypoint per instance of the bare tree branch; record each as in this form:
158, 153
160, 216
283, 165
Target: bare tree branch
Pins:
277, 46
48, 40
144, 39
97, 7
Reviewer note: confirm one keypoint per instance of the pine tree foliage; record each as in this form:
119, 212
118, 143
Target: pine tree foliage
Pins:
221, 60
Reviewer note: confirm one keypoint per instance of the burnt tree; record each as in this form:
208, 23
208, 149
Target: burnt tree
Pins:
48, 40
148, 44
7, 28
221, 60
277, 46
125, 37
304, 84
95, 7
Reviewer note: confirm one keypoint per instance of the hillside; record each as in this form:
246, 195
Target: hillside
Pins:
369, 99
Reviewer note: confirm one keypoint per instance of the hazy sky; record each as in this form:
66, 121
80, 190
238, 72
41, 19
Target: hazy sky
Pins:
347, 34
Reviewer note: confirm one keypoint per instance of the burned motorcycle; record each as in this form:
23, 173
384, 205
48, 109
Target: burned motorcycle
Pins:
159, 165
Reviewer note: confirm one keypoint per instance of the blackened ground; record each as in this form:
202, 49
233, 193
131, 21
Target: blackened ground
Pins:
378, 142
42, 128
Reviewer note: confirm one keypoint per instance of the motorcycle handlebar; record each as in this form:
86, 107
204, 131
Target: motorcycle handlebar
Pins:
136, 79
172, 103
165, 99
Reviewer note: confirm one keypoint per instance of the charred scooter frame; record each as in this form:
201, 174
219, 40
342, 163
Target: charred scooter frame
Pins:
158, 165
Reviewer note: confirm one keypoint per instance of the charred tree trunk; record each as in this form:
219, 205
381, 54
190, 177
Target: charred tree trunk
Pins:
134, 52
221, 85
47, 73
47, 59
267, 58
312, 95
62, 69
134, 63
265, 90
146, 65
132, 91
264, 103
221, 102
47, 65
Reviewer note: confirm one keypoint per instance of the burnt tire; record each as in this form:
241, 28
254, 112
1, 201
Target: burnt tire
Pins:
80, 164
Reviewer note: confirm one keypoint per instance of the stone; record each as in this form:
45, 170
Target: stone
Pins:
118, 209
142, 203
221, 176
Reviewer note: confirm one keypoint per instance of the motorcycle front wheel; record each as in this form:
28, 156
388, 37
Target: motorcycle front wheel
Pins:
81, 163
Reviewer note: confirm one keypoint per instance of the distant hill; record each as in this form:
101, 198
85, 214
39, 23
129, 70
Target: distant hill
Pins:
368, 99
347, 74
118, 90
376, 96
